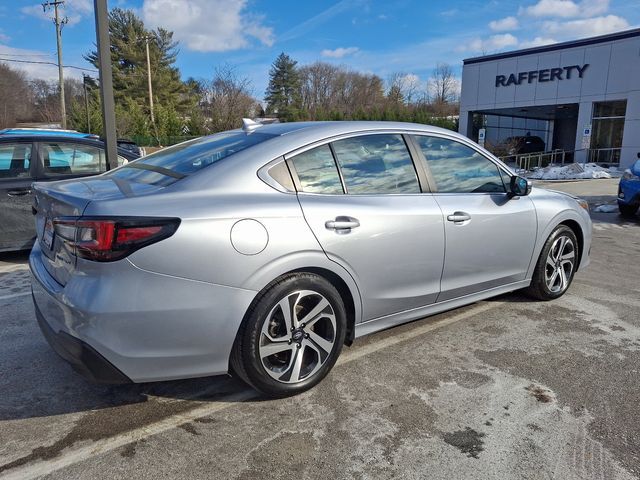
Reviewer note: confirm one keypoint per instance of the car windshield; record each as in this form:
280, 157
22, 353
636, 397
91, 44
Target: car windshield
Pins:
176, 162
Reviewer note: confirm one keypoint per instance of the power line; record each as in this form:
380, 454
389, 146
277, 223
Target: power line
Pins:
27, 54
45, 63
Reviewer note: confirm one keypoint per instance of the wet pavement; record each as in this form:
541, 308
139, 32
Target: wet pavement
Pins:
507, 388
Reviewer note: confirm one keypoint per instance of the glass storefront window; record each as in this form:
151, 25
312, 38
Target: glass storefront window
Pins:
607, 128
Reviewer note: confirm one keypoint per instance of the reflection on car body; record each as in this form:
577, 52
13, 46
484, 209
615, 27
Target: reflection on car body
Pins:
263, 251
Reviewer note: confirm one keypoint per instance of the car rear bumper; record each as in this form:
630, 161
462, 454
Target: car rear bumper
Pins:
83, 358
114, 321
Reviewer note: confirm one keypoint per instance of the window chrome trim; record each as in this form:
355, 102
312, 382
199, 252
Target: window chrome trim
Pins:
263, 174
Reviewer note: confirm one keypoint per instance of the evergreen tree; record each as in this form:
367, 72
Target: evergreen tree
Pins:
129, 62
283, 93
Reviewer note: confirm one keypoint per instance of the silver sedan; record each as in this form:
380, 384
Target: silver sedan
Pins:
262, 251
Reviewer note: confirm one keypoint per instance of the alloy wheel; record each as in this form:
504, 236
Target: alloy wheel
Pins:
560, 264
297, 336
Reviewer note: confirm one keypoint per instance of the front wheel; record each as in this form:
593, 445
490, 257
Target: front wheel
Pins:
292, 335
627, 210
556, 265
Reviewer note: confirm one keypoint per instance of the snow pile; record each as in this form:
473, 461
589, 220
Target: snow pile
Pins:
606, 208
574, 171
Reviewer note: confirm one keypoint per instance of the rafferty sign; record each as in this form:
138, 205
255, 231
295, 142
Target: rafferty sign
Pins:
544, 75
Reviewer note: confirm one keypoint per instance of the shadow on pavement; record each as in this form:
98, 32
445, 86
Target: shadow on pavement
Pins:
17, 258
58, 390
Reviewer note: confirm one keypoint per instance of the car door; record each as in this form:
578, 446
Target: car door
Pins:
490, 235
17, 229
362, 199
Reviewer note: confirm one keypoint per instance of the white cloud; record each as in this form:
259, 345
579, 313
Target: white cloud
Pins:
208, 25
310, 24
72, 10
504, 24
491, 44
339, 52
537, 42
587, 27
4, 37
566, 8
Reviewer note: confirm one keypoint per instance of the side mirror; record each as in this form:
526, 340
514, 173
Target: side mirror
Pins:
520, 186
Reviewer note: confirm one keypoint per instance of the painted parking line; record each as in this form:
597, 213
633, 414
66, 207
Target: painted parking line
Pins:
13, 268
14, 295
80, 454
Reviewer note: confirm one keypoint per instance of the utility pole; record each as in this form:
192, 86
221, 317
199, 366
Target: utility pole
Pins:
85, 79
58, 23
146, 40
106, 82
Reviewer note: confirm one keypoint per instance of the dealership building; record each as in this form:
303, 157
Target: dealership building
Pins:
580, 97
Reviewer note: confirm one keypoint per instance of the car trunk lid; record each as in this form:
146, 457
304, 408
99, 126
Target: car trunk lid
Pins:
70, 198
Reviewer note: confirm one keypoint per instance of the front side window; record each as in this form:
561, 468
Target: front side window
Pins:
317, 171
373, 164
15, 160
457, 168
62, 158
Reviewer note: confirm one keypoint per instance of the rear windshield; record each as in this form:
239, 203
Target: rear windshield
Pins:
173, 163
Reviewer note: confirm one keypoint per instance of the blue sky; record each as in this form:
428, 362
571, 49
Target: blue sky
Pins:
383, 37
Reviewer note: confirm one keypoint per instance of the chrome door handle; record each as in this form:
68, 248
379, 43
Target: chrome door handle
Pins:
459, 217
19, 192
342, 223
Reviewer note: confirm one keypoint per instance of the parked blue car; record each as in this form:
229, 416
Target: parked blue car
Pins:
629, 190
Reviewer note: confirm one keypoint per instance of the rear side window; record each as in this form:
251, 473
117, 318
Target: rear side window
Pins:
15, 160
457, 168
317, 171
376, 164
63, 158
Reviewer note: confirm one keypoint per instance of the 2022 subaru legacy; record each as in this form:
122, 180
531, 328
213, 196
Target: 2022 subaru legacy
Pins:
261, 251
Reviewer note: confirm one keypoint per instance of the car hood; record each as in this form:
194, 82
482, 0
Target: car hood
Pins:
575, 197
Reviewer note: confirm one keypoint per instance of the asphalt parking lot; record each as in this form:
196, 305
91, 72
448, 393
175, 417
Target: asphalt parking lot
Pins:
505, 388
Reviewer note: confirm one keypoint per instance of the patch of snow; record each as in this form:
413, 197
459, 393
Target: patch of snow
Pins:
574, 171
606, 208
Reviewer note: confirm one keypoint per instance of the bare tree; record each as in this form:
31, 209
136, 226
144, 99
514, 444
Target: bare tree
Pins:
328, 90
227, 99
403, 88
443, 86
15, 97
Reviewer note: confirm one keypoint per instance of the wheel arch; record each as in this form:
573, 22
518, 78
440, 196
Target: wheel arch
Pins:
568, 218
577, 231
320, 265
345, 294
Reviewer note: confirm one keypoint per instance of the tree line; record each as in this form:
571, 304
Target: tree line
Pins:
318, 91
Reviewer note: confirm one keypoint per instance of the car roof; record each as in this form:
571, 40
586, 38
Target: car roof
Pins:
46, 132
341, 127
54, 137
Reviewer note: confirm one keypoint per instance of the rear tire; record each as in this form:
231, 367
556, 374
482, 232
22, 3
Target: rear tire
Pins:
556, 265
291, 335
627, 210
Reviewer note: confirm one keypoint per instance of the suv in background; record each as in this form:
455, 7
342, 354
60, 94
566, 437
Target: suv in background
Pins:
526, 144
629, 190
29, 155
131, 146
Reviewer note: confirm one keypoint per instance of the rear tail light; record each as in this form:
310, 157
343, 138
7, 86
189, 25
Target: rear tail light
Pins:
105, 239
